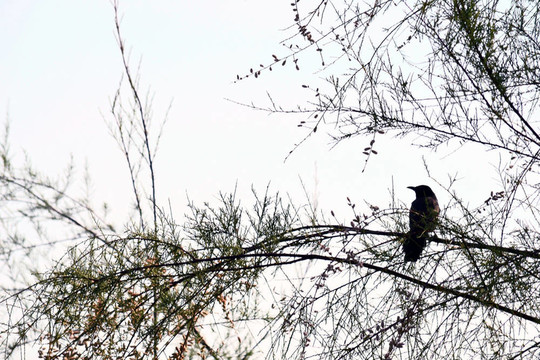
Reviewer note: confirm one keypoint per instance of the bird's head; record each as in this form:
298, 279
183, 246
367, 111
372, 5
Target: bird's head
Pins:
422, 191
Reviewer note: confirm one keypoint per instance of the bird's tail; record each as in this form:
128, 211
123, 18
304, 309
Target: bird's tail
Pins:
413, 246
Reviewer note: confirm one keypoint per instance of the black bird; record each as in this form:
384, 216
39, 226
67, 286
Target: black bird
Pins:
422, 220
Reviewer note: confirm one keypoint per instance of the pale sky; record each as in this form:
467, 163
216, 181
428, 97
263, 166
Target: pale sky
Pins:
60, 66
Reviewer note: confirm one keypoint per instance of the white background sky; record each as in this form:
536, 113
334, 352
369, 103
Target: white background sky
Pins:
60, 66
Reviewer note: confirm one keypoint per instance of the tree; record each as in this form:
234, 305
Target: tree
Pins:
460, 70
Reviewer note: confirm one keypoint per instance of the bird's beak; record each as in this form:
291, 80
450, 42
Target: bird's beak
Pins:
411, 187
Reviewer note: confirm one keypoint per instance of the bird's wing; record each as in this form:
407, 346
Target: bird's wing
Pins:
423, 215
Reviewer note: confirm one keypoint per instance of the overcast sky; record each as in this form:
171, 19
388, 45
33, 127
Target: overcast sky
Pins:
60, 66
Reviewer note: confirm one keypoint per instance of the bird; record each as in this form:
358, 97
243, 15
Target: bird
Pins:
422, 220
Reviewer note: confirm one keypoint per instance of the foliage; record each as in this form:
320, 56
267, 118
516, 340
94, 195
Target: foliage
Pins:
117, 298
272, 280
457, 72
